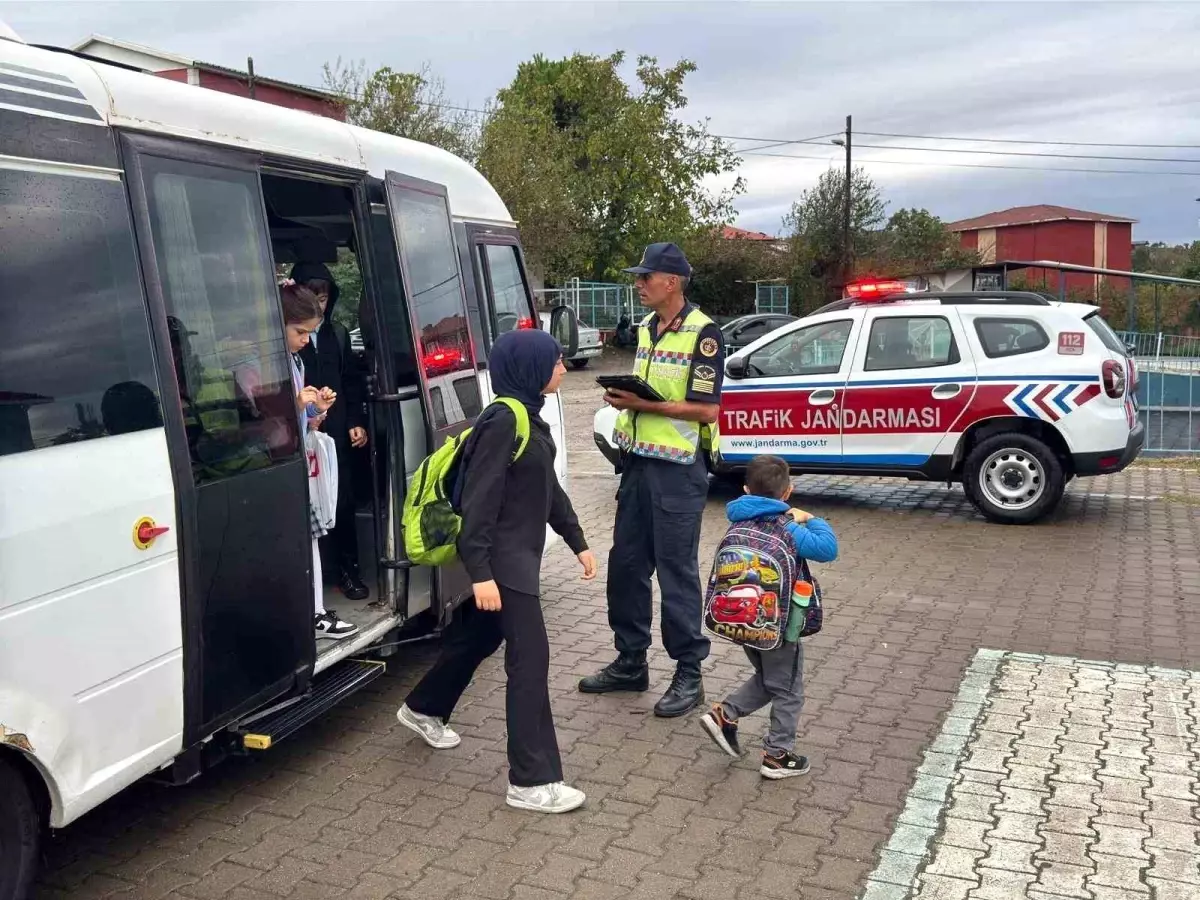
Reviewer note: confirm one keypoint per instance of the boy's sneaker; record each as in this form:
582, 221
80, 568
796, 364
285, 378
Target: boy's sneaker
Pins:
545, 798
723, 731
432, 730
328, 625
786, 765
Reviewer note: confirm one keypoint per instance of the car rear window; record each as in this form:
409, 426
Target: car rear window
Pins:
1107, 336
1010, 336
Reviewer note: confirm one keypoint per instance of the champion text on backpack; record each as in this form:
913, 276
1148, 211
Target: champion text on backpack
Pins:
750, 589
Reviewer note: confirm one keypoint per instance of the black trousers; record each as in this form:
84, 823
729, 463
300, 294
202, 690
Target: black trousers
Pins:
659, 508
472, 637
339, 547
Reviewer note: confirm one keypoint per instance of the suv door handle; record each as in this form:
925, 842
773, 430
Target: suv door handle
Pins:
822, 396
946, 391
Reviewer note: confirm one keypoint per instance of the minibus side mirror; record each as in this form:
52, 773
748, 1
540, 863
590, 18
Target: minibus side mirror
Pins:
564, 325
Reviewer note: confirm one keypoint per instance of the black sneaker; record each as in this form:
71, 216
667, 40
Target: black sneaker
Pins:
328, 625
786, 765
723, 731
352, 586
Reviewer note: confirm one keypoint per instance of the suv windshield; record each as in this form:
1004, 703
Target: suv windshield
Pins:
1107, 336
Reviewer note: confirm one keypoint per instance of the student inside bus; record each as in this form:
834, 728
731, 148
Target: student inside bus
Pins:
301, 317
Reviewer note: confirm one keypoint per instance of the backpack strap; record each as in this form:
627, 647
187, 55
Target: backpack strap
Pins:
521, 414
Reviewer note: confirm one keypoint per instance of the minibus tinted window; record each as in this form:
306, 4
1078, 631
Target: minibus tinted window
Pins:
75, 354
224, 318
437, 299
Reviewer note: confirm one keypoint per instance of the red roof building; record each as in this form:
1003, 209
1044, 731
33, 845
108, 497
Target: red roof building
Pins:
212, 76
1044, 232
729, 233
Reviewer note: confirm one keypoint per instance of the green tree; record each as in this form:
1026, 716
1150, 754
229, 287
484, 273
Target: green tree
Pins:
815, 224
916, 241
594, 170
724, 271
407, 104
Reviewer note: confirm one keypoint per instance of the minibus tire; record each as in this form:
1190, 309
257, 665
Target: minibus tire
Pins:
578, 364
20, 832
1029, 459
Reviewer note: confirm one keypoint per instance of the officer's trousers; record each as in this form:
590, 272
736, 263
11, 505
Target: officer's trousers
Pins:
659, 508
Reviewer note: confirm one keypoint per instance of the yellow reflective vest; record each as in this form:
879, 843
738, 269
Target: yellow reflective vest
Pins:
666, 365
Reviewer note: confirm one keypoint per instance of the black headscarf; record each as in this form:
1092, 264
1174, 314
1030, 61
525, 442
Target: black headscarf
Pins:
522, 363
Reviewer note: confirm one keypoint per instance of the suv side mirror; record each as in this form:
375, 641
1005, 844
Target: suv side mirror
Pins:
564, 325
736, 367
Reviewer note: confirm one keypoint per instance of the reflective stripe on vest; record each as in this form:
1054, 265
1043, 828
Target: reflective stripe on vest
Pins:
666, 365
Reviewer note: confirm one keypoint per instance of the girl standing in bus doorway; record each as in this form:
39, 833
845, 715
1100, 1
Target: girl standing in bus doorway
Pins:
506, 507
301, 317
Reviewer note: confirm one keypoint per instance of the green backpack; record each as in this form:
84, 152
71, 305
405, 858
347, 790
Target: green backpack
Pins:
430, 522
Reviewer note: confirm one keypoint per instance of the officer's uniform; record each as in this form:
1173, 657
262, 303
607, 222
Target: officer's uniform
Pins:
660, 504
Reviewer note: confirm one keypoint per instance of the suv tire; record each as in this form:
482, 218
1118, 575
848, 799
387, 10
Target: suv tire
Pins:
1013, 478
20, 832
578, 364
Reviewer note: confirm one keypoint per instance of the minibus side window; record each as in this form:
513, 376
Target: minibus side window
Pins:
223, 317
76, 361
436, 297
510, 300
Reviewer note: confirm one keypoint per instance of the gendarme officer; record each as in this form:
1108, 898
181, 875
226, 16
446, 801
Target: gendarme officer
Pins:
664, 484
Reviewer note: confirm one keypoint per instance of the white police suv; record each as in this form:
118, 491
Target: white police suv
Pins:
1009, 393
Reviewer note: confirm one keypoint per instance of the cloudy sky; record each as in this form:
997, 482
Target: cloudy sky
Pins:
1098, 73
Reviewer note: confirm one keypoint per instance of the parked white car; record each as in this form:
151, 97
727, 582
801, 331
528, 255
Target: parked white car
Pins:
590, 345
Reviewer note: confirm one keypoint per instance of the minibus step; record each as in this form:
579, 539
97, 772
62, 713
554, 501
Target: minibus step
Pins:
264, 731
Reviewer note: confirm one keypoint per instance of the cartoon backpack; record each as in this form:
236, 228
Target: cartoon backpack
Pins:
749, 593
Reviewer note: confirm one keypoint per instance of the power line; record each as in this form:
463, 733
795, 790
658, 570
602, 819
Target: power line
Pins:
939, 165
1040, 155
773, 142
973, 151
929, 137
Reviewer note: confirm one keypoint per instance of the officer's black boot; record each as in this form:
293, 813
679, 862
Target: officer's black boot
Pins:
628, 672
685, 693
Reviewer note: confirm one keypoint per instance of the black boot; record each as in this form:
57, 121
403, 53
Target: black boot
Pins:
628, 672
352, 586
685, 693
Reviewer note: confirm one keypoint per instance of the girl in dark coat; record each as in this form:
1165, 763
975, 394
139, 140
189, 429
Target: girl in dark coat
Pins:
506, 507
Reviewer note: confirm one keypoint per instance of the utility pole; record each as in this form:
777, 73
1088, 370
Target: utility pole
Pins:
250, 71
847, 249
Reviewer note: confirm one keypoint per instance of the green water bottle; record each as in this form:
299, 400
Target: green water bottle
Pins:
802, 593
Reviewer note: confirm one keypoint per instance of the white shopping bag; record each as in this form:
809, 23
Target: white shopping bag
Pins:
322, 477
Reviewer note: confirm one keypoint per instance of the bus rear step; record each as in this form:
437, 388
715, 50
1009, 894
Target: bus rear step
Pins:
328, 689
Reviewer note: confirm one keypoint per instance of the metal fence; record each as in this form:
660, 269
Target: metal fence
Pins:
771, 298
1168, 392
597, 304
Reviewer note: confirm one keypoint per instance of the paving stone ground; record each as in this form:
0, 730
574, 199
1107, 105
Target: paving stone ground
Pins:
1054, 777
352, 807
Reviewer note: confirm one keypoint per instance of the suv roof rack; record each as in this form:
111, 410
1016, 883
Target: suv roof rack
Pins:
948, 298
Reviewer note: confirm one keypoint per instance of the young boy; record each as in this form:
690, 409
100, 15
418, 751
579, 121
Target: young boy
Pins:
778, 677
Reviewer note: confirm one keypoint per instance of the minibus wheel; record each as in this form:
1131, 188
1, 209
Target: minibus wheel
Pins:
20, 832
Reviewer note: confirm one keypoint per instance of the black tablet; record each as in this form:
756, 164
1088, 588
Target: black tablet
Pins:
630, 384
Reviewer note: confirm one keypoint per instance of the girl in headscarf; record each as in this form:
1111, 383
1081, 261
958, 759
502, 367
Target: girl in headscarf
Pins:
506, 507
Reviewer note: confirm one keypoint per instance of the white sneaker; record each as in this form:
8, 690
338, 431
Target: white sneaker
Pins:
432, 730
545, 798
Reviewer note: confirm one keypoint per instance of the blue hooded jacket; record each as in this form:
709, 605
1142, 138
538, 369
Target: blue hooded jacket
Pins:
814, 540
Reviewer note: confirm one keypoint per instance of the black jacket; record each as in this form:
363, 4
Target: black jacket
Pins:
331, 364
506, 507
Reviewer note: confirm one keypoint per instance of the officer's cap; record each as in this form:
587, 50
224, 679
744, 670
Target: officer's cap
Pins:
666, 258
